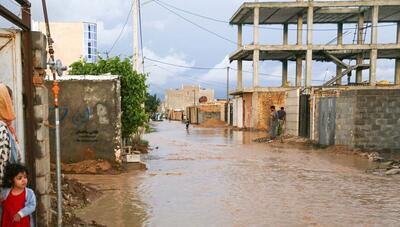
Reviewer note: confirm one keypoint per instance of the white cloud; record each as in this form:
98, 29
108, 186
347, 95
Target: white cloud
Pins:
162, 74
106, 37
155, 24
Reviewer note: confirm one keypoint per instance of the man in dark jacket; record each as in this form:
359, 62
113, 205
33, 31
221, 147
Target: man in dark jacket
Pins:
281, 122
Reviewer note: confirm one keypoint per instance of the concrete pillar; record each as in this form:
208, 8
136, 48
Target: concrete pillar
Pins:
41, 150
339, 69
256, 54
240, 36
42, 161
285, 61
308, 76
360, 41
285, 34
374, 50
239, 81
284, 73
299, 59
397, 73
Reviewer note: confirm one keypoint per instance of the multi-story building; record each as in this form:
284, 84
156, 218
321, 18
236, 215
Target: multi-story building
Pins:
188, 95
72, 40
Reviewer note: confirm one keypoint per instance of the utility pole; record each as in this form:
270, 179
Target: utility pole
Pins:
194, 97
227, 84
135, 27
227, 95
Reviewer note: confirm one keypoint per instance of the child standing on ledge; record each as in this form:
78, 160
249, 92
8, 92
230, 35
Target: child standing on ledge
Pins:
18, 201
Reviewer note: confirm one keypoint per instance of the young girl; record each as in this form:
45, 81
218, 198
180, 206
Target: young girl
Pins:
18, 201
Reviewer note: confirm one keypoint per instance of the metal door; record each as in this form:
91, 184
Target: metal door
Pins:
304, 116
326, 121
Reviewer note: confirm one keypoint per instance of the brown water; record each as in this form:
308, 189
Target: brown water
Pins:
218, 177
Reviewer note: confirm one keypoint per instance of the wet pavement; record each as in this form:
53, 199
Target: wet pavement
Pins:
219, 177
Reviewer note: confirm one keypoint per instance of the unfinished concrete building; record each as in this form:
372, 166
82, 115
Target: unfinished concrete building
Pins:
251, 105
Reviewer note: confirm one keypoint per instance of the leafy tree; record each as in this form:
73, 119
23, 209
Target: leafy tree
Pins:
152, 103
133, 89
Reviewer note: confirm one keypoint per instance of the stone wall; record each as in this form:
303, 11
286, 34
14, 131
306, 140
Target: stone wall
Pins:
90, 119
369, 119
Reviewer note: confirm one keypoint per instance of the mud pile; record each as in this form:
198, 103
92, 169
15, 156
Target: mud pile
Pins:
75, 196
91, 167
212, 123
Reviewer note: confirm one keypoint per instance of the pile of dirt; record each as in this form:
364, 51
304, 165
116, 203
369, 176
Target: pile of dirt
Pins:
75, 196
92, 167
387, 165
212, 123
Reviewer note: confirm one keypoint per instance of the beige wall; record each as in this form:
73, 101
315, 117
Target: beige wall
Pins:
186, 96
68, 40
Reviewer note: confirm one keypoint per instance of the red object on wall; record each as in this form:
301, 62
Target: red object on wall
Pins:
203, 99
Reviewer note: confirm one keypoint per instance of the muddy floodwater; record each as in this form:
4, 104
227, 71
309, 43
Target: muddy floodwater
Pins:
219, 177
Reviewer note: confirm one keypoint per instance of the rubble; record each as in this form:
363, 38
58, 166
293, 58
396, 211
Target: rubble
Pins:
386, 166
75, 196
92, 167
392, 172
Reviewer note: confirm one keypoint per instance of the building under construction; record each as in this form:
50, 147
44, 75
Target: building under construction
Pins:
316, 112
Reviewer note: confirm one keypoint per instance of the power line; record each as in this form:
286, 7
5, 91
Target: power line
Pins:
147, 2
184, 66
122, 30
209, 68
216, 84
268, 28
192, 13
195, 24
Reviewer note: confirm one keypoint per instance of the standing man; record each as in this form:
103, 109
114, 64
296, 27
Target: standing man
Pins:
274, 123
281, 122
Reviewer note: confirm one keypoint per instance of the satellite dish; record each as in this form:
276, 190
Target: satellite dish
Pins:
59, 67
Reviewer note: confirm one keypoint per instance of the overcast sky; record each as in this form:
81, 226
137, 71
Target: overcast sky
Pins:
170, 38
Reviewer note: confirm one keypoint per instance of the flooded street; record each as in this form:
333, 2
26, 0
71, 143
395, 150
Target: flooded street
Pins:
219, 177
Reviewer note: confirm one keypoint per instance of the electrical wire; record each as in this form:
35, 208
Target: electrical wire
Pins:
122, 30
184, 66
221, 84
215, 68
268, 28
195, 24
147, 2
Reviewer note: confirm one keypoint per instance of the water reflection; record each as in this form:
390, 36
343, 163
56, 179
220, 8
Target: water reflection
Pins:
219, 177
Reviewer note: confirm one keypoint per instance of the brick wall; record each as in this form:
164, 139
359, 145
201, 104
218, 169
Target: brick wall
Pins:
265, 101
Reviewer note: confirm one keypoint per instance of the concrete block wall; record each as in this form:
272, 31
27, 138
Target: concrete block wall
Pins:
345, 113
369, 119
377, 119
292, 112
